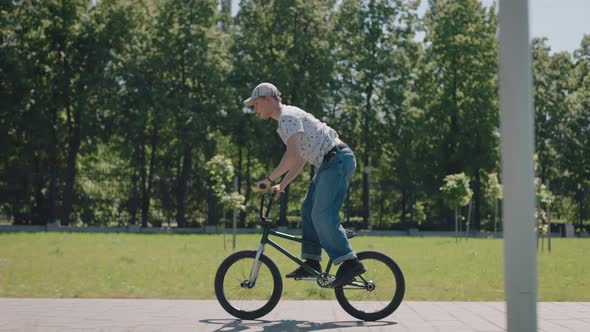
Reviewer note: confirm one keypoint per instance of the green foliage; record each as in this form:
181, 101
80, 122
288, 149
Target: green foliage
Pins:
221, 172
419, 213
493, 188
456, 191
544, 196
110, 110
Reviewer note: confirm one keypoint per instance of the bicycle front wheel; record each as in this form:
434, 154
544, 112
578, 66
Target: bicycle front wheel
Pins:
375, 294
240, 298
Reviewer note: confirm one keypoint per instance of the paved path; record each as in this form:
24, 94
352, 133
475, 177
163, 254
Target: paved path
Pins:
187, 315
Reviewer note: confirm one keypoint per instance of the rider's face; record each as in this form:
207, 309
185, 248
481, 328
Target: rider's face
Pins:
262, 107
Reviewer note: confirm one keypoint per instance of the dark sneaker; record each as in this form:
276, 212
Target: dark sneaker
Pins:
350, 268
300, 272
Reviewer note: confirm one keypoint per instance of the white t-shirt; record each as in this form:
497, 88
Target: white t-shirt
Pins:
317, 137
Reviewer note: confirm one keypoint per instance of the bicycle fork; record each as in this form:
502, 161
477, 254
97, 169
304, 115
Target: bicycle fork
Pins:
255, 268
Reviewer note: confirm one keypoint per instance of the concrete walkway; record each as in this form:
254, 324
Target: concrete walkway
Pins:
189, 315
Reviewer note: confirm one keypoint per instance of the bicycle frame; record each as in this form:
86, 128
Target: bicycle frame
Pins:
267, 231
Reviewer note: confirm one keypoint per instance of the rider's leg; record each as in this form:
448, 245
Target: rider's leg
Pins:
331, 184
312, 254
307, 228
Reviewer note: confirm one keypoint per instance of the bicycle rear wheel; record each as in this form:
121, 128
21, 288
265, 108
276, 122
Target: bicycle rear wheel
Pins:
240, 299
376, 293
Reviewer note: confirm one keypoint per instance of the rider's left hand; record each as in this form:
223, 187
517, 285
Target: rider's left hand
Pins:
277, 190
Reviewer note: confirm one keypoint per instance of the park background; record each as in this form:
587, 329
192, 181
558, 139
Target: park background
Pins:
117, 113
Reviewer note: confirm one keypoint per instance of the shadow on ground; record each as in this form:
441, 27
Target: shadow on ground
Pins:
230, 325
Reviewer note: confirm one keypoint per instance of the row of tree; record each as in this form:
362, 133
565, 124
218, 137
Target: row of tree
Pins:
112, 109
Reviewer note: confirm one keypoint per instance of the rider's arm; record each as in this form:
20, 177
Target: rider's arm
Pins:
292, 162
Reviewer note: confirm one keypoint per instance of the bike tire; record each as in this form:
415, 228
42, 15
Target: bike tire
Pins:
227, 291
356, 300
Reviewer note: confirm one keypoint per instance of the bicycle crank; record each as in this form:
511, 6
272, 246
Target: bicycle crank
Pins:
324, 280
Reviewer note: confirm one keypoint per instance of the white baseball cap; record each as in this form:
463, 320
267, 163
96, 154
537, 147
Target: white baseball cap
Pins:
262, 89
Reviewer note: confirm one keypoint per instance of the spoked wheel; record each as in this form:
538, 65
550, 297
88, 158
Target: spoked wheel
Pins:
376, 293
240, 298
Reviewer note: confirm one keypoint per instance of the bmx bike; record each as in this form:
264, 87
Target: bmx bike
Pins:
248, 283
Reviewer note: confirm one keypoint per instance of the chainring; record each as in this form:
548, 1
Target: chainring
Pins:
324, 280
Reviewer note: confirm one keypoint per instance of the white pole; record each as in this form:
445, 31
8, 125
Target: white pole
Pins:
516, 106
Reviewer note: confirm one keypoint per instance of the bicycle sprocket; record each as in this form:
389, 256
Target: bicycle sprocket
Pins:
324, 280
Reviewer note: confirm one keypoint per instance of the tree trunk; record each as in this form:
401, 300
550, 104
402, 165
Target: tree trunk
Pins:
142, 175
73, 127
53, 170
348, 211
284, 208
366, 197
133, 200
580, 199
248, 191
39, 205
381, 208
147, 192
367, 158
403, 206
412, 205
211, 204
477, 197
71, 170
182, 185
452, 167
239, 169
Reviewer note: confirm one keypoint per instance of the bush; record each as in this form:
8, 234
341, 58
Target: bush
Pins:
355, 222
293, 222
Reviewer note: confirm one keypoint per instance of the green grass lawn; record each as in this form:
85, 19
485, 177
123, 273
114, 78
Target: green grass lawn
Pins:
183, 266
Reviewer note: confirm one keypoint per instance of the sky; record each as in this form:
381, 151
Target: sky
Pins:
563, 22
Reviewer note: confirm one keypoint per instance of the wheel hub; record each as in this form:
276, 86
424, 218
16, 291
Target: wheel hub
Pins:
370, 286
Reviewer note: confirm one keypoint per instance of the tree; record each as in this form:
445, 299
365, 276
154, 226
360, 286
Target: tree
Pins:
20, 175
456, 193
369, 36
576, 135
552, 85
221, 172
286, 43
493, 193
461, 46
66, 46
193, 55
99, 35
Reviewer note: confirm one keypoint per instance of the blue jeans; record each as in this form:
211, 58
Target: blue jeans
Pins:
320, 222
